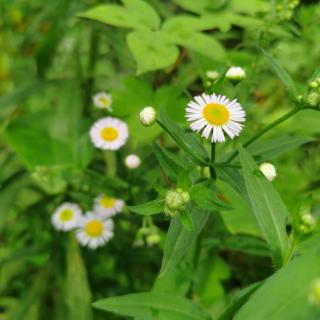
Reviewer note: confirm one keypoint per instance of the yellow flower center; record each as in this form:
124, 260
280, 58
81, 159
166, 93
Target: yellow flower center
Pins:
94, 228
109, 134
107, 202
104, 101
66, 215
216, 114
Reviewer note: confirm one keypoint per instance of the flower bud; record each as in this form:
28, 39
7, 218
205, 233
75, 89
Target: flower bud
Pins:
132, 161
313, 84
314, 292
313, 99
148, 116
153, 239
235, 74
269, 170
170, 212
308, 223
212, 74
174, 200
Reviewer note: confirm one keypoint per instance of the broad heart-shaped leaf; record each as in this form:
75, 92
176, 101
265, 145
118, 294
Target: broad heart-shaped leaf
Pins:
199, 42
284, 296
179, 240
134, 14
168, 162
185, 140
282, 74
148, 208
148, 305
269, 209
151, 50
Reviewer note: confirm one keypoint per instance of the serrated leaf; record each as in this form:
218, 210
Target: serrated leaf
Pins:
151, 50
168, 162
282, 74
284, 295
149, 208
179, 240
148, 304
269, 209
134, 14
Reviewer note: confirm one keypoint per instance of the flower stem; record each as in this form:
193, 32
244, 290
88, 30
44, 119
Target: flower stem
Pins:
212, 160
266, 129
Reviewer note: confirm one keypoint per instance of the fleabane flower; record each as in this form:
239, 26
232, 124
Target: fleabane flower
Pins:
94, 230
102, 100
108, 206
109, 133
132, 161
269, 170
215, 114
66, 216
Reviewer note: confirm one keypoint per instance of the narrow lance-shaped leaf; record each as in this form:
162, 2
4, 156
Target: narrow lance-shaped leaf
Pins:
282, 74
148, 304
269, 209
179, 240
149, 208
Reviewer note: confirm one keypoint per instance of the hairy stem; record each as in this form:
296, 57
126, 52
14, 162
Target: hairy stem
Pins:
212, 160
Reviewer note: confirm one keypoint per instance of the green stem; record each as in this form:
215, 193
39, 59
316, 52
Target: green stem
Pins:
212, 161
110, 160
266, 129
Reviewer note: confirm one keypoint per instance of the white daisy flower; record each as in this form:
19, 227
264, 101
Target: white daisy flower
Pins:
132, 161
102, 100
109, 133
269, 170
235, 74
66, 216
108, 206
215, 114
94, 231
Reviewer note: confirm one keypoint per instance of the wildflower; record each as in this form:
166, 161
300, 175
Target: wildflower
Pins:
132, 161
148, 116
109, 133
66, 216
102, 100
269, 170
235, 74
215, 114
314, 292
212, 74
94, 230
108, 206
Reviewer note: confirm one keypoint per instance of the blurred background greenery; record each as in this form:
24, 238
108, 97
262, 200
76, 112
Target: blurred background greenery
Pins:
51, 63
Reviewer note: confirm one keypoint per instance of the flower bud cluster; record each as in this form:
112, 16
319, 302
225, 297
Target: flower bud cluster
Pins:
175, 201
286, 9
149, 235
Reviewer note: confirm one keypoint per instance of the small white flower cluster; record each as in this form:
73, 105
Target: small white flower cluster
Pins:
94, 228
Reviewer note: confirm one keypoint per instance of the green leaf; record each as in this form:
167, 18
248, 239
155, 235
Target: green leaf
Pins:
168, 162
269, 209
204, 198
186, 141
134, 14
179, 240
265, 150
282, 74
284, 295
77, 291
148, 304
186, 219
149, 208
151, 50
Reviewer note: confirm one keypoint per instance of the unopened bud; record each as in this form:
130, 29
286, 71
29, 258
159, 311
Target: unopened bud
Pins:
148, 116
269, 170
235, 74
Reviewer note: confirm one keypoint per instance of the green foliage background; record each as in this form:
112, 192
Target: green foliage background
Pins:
54, 55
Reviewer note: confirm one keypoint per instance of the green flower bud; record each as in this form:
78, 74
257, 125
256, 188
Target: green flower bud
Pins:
174, 200
153, 239
185, 196
313, 84
170, 212
313, 99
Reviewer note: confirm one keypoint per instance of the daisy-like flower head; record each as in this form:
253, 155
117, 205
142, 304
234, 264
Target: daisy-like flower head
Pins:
215, 114
94, 230
66, 216
132, 161
108, 206
102, 100
109, 133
